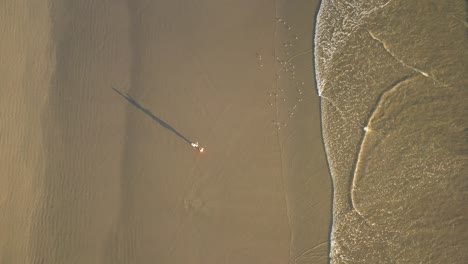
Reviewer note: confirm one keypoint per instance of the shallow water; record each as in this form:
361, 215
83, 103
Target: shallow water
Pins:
393, 92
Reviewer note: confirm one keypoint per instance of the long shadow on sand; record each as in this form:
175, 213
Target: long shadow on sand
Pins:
155, 118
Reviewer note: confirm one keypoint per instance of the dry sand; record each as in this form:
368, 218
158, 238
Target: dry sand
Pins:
86, 177
392, 76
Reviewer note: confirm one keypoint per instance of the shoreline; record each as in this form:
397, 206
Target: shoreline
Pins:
316, 78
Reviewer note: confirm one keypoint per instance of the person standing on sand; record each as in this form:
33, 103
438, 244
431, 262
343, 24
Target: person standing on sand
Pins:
195, 145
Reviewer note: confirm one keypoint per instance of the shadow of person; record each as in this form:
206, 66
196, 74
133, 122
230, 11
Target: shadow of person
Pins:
153, 116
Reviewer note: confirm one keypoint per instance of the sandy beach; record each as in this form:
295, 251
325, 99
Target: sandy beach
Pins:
88, 177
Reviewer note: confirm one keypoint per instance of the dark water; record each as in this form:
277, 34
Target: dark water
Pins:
392, 79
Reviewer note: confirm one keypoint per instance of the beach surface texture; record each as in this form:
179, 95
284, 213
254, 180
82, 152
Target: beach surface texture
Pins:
101, 102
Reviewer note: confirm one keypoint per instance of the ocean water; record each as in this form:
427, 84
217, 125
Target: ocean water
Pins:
392, 80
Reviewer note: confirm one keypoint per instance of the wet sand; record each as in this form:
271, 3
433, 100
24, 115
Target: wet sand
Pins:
87, 177
392, 78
